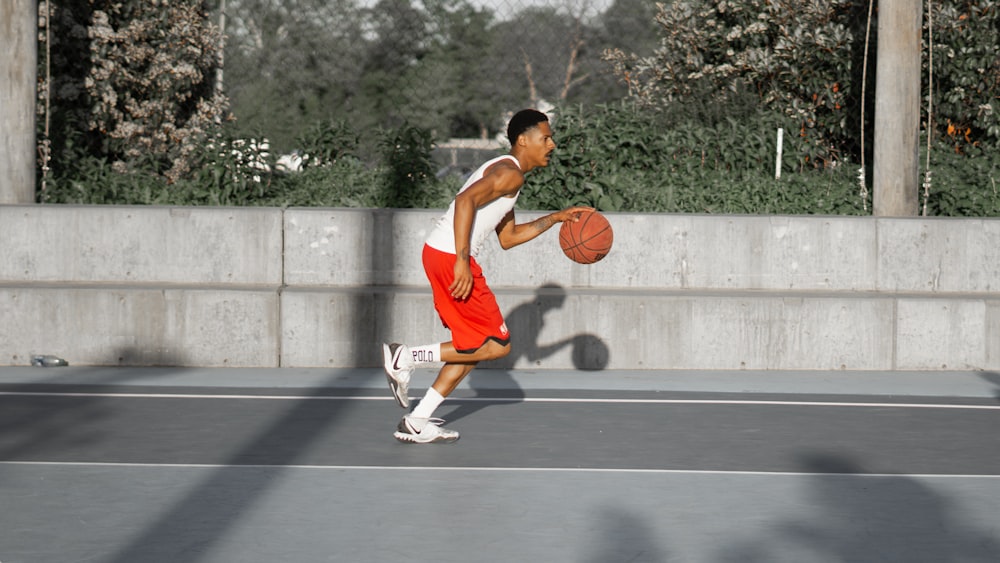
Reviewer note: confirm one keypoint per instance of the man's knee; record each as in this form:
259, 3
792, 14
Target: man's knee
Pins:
495, 350
504, 350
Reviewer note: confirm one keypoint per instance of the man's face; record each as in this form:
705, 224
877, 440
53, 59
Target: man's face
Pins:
539, 144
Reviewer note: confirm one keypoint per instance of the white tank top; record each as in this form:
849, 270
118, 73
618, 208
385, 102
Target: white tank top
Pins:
486, 220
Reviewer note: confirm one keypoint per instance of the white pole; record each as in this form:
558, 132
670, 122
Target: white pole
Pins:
777, 159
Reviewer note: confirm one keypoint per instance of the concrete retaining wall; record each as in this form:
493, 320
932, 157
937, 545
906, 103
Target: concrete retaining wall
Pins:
323, 287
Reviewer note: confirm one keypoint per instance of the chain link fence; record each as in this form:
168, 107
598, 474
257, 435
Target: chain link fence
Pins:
456, 68
345, 72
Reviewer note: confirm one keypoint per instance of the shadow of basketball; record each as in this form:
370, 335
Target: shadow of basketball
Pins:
590, 353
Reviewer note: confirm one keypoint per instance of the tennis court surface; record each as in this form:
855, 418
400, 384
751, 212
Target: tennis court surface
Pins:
130, 465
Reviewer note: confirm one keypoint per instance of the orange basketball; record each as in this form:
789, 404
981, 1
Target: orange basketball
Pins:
588, 240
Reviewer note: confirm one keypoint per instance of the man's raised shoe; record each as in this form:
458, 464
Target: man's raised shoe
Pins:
398, 367
412, 430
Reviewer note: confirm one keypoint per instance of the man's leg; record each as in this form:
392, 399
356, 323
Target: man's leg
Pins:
458, 365
448, 378
400, 360
418, 426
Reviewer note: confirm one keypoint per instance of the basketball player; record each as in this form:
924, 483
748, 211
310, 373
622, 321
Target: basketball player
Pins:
462, 299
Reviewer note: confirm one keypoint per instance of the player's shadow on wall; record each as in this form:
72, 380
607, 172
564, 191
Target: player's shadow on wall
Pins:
525, 322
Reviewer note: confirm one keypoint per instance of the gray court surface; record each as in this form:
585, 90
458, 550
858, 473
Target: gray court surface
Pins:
125, 465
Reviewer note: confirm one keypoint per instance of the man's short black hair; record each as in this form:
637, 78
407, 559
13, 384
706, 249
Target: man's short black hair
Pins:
523, 121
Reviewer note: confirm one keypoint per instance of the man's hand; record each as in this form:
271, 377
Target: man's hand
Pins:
572, 213
511, 234
461, 287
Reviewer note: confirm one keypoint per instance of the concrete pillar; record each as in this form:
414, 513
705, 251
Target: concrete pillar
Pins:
18, 72
896, 163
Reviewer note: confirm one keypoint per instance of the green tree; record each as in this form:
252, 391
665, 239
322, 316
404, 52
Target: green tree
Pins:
450, 89
400, 38
539, 54
292, 63
630, 25
627, 25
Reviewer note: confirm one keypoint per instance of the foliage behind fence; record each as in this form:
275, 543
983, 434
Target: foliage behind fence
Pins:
362, 91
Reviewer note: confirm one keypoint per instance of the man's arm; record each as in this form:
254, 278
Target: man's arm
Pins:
511, 234
502, 179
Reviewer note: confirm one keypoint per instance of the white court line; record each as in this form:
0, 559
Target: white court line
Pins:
489, 469
736, 402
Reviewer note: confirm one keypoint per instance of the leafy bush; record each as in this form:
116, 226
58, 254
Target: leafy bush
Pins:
93, 181
621, 157
784, 56
325, 142
137, 120
231, 171
967, 71
347, 182
617, 157
409, 168
804, 61
964, 183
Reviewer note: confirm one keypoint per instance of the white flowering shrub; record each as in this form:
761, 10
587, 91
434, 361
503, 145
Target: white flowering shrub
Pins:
151, 82
244, 158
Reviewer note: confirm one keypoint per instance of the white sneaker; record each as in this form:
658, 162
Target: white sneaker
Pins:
430, 431
398, 366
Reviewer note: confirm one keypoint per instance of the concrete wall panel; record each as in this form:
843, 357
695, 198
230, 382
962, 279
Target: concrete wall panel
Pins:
992, 335
129, 326
939, 255
942, 334
791, 333
56, 243
355, 247
703, 252
346, 328
554, 327
324, 287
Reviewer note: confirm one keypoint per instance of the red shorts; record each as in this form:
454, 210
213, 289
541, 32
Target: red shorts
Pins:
472, 321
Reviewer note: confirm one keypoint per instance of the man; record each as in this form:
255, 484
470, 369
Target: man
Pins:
462, 299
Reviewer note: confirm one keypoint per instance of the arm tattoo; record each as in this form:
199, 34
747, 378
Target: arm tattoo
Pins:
544, 223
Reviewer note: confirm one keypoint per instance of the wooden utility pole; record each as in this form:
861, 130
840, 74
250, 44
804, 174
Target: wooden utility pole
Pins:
896, 164
18, 72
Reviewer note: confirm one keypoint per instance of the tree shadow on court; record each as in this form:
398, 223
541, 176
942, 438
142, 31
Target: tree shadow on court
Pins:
870, 518
238, 477
994, 378
38, 422
191, 528
36, 426
623, 536
525, 322
235, 468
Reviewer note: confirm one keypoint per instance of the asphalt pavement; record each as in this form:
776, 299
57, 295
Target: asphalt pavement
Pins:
148, 465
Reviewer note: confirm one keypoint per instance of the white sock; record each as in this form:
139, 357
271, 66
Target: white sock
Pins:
426, 407
426, 354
